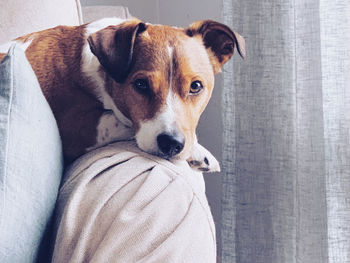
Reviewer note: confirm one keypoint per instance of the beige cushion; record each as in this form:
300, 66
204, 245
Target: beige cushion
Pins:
20, 17
92, 13
119, 204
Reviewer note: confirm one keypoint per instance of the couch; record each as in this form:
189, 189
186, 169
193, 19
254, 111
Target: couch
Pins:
115, 204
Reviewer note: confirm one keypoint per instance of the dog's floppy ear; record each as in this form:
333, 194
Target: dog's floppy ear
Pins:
219, 39
114, 46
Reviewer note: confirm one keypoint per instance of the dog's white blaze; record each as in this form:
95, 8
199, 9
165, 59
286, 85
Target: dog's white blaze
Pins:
90, 67
170, 51
164, 122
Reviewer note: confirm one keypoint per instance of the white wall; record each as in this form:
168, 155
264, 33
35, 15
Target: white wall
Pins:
182, 13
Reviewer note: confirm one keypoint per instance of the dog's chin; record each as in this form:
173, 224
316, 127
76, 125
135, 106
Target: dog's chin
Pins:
158, 153
148, 148
169, 158
152, 148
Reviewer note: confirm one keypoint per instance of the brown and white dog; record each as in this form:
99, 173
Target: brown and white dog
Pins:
116, 79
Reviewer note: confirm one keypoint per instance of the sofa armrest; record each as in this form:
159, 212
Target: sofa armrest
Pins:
120, 204
22, 17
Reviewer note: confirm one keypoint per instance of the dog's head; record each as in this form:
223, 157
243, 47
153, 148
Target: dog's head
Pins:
162, 77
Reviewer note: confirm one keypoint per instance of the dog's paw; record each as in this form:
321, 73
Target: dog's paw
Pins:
202, 160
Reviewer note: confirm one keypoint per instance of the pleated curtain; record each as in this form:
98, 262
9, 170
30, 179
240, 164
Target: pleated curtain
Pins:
286, 119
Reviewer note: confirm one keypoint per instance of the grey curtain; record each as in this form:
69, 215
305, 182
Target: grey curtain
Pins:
286, 117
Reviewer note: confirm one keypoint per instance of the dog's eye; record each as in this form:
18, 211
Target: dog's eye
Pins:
196, 87
141, 85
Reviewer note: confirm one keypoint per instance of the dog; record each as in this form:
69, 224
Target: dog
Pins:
116, 79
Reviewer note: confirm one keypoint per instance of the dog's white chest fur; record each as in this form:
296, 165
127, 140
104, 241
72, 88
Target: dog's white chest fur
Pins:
113, 125
110, 129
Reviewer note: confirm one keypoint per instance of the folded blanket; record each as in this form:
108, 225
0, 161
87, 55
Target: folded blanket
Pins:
119, 204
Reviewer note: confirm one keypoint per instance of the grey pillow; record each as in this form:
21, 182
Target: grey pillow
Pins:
31, 160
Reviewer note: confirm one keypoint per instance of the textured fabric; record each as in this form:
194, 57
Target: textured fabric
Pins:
92, 13
119, 204
20, 17
286, 184
30, 160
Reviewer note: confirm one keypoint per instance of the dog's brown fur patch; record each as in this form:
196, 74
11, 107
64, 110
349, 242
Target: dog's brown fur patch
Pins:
55, 55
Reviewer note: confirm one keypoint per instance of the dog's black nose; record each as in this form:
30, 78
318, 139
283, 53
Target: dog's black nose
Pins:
170, 145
